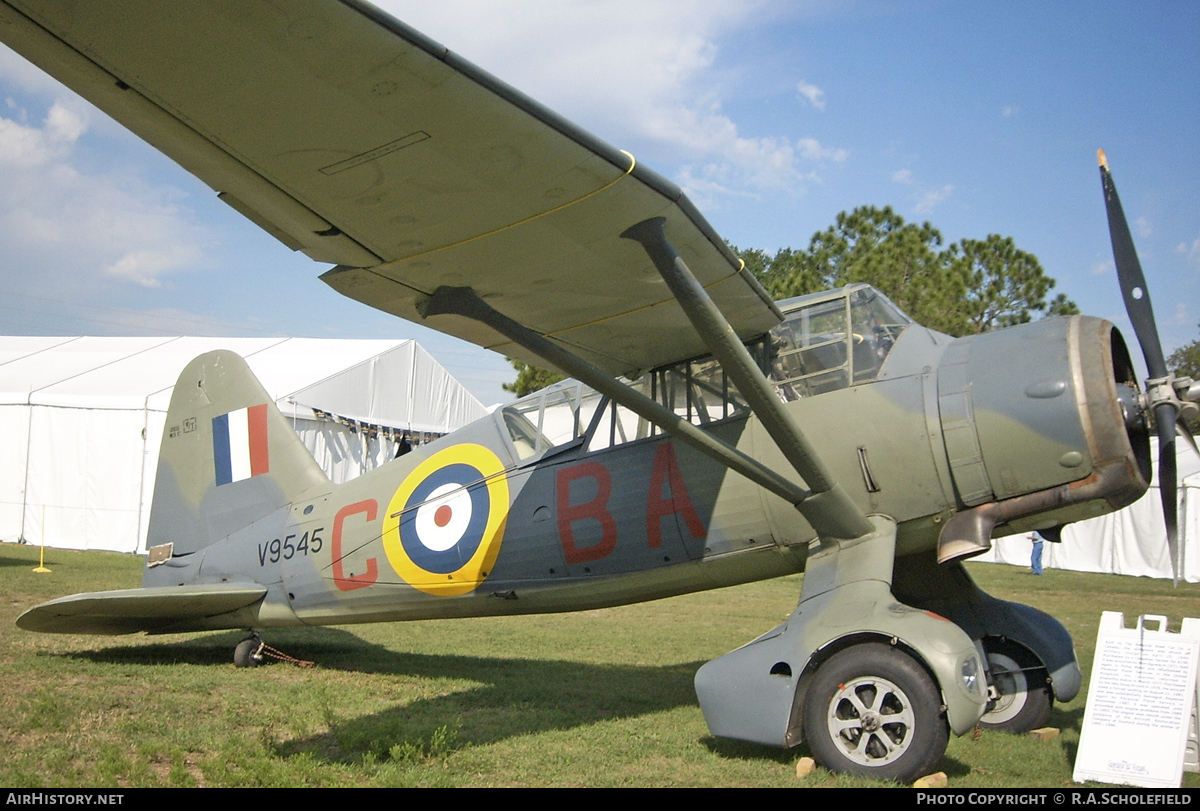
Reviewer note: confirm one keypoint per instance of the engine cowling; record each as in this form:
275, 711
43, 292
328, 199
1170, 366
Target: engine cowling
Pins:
1054, 438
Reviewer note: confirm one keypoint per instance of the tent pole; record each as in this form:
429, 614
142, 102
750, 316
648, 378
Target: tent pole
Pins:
25, 488
137, 541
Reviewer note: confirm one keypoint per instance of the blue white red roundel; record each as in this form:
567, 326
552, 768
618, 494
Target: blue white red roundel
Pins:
444, 525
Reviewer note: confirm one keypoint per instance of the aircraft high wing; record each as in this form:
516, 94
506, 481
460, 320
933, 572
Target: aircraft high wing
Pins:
445, 196
364, 144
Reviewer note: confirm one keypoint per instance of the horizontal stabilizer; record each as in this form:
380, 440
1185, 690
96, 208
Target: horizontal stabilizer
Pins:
153, 610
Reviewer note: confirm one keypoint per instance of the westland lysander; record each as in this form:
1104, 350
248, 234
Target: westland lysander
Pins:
710, 436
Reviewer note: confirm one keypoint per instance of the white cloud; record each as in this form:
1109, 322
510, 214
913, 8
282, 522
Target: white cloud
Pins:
642, 75
64, 126
926, 198
811, 149
812, 94
1009, 110
747, 166
145, 266
1103, 267
1143, 227
704, 185
1182, 318
26, 147
932, 198
1192, 252
58, 222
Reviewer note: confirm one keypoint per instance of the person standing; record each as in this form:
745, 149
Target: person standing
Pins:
1035, 558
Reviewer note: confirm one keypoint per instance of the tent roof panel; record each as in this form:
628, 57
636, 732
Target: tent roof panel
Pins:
26, 378
136, 373
16, 347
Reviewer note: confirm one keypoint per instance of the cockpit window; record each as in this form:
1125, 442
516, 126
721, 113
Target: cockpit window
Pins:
554, 416
696, 390
825, 344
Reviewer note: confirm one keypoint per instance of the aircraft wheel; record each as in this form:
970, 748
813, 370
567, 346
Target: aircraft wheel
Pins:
872, 711
1025, 698
246, 654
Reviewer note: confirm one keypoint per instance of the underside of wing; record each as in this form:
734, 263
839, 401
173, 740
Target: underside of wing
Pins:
153, 610
353, 138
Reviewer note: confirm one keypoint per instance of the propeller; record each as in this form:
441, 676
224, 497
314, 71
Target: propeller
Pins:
1168, 398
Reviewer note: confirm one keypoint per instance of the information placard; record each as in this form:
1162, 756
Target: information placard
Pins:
1140, 699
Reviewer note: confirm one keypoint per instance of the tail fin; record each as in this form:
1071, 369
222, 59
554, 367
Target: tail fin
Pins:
228, 457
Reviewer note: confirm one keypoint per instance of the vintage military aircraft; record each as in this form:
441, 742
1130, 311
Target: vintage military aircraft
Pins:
713, 437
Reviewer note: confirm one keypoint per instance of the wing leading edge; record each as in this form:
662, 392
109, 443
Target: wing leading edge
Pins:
350, 136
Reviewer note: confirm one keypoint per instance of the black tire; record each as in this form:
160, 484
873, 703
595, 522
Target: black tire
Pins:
872, 711
246, 653
1025, 698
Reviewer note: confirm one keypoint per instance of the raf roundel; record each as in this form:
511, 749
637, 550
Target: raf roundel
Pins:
445, 524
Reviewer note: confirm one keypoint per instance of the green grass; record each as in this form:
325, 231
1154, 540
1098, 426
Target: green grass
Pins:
597, 698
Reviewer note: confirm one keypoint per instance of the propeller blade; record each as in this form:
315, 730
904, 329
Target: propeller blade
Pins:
1141, 315
1129, 273
1168, 483
1184, 430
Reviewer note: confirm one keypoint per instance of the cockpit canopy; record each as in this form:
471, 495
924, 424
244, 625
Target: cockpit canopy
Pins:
833, 340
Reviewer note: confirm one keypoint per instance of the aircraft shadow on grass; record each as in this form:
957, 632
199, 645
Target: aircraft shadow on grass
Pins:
511, 697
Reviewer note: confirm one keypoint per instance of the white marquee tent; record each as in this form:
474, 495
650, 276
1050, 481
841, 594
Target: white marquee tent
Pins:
1131, 541
81, 420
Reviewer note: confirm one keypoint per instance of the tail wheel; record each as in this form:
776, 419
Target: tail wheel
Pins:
1024, 699
247, 653
872, 711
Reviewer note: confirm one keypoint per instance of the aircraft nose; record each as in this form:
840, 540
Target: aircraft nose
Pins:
1040, 421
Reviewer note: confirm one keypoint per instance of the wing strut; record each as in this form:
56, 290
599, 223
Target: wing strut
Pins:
463, 301
829, 509
826, 506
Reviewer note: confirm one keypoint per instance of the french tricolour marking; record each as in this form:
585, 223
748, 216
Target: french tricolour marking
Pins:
444, 526
240, 444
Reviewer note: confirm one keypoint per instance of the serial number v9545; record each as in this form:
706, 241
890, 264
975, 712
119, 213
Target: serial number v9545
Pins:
288, 547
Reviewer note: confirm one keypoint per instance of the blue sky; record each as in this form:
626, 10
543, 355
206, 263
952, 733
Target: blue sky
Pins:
774, 116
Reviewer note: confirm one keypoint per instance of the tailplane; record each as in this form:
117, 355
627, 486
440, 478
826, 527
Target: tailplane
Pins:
228, 460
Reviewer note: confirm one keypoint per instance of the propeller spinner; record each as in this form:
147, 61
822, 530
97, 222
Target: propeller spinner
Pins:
1167, 399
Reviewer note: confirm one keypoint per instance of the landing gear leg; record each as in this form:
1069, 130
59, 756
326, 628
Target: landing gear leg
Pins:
248, 652
872, 685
